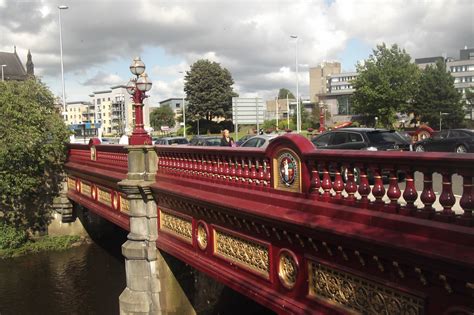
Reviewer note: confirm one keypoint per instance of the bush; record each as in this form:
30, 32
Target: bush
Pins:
11, 237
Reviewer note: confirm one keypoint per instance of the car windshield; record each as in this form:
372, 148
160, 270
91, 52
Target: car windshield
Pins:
378, 137
213, 142
178, 141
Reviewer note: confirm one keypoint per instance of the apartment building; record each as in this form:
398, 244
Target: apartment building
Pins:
318, 78
176, 104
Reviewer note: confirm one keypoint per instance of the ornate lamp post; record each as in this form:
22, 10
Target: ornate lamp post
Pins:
137, 88
321, 117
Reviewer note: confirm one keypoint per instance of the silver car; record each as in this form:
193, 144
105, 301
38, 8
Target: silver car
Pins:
261, 141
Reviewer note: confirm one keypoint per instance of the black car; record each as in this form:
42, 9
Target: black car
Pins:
362, 139
452, 140
213, 141
170, 141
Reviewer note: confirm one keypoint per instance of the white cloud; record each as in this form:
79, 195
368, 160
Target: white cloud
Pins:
104, 79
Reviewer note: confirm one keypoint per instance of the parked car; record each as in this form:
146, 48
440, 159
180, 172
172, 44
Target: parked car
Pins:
170, 141
261, 141
243, 139
452, 140
362, 139
213, 141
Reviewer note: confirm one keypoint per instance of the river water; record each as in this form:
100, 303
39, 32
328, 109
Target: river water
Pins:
89, 279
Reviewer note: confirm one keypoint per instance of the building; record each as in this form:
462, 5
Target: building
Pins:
113, 110
285, 107
80, 118
318, 78
176, 104
13, 69
422, 63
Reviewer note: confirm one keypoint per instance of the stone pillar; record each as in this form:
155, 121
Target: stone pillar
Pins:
141, 296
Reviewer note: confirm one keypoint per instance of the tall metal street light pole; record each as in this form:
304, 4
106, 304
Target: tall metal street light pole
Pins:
62, 7
184, 107
298, 114
3, 77
137, 87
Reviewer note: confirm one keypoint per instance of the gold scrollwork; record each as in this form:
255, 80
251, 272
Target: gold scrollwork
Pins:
104, 197
176, 226
287, 270
86, 189
359, 294
250, 255
71, 183
124, 206
202, 236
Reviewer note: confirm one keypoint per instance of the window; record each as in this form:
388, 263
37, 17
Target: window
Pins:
339, 138
354, 137
178, 105
323, 140
98, 101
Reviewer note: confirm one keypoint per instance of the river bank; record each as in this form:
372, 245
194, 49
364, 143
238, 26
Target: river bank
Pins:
44, 243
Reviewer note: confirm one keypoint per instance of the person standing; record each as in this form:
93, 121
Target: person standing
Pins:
227, 141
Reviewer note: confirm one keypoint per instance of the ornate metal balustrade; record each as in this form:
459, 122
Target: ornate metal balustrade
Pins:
296, 230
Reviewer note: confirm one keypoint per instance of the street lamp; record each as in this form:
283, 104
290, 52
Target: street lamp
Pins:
62, 7
3, 78
441, 115
298, 114
137, 87
184, 108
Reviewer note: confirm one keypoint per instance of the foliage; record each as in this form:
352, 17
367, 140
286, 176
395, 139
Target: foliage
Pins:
284, 93
209, 126
162, 116
32, 153
209, 90
436, 95
11, 237
385, 84
46, 243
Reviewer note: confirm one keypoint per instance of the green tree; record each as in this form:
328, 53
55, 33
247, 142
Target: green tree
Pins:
436, 95
385, 84
209, 91
470, 101
162, 116
32, 153
284, 93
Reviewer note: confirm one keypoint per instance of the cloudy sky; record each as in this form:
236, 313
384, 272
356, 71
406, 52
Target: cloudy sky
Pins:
251, 38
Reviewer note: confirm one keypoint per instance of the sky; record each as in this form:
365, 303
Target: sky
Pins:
251, 38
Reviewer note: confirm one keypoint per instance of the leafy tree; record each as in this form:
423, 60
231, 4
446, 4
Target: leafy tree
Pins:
209, 90
385, 84
436, 95
470, 100
283, 93
162, 116
32, 153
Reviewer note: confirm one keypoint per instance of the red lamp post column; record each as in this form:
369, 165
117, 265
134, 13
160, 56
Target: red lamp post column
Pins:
137, 88
321, 117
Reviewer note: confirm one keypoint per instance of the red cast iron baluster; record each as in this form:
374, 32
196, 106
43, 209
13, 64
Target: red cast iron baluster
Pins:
467, 201
227, 175
315, 181
351, 186
268, 168
246, 174
261, 174
447, 199
204, 167
410, 194
220, 162
194, 165
239, 171
326, 184
378, 190
428, 196
393, 192
364, 187
338, 185
200, 165
215, 163
233, 171
253, 172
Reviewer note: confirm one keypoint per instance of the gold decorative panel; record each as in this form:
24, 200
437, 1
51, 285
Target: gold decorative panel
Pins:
86, 189
358, 294
104, 197
124, 205
177, 226
248, 254
71, 183
287, 269
202, 236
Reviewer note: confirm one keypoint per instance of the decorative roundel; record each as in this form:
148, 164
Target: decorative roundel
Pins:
94, 192
202, 235
115, 200
78, 185
288, 168
287, 269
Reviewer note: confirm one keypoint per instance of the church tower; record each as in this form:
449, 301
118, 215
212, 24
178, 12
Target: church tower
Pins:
30, 67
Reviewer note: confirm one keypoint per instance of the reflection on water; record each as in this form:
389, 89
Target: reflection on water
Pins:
83, 280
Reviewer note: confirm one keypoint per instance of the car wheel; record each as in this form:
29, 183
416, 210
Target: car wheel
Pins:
461, 149
420, 148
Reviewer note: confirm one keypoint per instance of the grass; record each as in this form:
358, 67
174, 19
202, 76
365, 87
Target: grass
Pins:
45, 243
